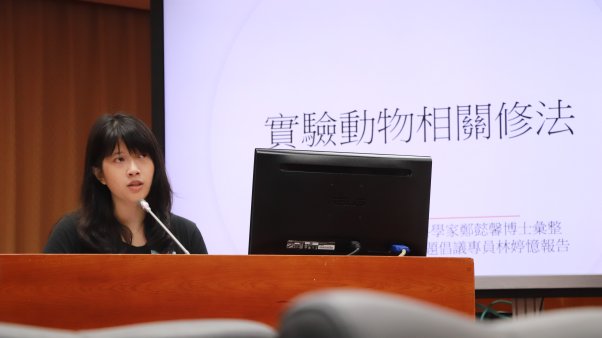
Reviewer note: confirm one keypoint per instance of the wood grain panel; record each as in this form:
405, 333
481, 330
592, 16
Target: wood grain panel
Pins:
139, 4
62, 64
89, 291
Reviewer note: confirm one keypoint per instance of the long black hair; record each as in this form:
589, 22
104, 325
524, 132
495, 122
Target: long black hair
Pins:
97, 224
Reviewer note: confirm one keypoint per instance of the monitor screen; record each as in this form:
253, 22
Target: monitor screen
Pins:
312, 202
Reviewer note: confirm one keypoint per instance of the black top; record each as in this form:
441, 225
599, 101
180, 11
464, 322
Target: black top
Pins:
65, 238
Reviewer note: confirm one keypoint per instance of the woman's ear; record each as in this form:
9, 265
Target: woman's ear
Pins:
99, 175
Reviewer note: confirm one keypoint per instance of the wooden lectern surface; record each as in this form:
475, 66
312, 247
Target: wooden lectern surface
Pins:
92, 291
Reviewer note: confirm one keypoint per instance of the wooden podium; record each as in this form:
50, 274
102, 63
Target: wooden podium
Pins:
92, 291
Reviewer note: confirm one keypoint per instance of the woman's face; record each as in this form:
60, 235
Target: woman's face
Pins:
127, 175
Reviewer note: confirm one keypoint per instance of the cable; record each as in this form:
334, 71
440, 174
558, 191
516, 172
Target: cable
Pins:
357, 246
489, 309
400, 249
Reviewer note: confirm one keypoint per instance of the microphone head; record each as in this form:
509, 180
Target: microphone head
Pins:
144, 205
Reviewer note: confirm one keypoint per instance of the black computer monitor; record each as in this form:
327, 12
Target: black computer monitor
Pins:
312, 202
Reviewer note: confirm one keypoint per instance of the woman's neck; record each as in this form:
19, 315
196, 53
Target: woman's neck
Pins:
132, 216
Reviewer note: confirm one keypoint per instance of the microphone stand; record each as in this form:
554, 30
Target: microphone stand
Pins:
146, 207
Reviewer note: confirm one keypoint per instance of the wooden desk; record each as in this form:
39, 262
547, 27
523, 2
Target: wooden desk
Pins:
91, 291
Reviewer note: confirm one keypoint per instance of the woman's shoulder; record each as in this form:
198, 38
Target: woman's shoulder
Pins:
68, 222
64, 237
181, 222
189, 234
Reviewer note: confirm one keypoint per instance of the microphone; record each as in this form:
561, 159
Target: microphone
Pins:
146, 207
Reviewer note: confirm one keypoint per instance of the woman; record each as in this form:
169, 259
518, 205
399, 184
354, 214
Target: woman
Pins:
123, 165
